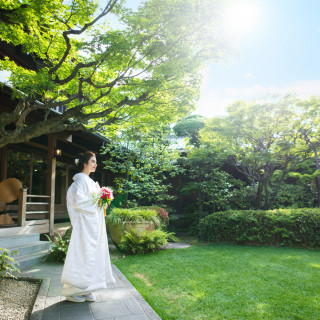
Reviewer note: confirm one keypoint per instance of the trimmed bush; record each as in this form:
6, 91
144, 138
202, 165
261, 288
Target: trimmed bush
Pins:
121, 216
286, 227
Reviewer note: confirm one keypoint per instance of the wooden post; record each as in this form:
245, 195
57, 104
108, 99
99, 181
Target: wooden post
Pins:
4, 163
22, 207
51, 179
31, 173
64, 194
103, 183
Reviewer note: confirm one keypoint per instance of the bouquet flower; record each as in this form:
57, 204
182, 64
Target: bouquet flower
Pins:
103, 198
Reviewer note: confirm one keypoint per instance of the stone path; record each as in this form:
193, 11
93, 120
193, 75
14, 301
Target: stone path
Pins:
120, 302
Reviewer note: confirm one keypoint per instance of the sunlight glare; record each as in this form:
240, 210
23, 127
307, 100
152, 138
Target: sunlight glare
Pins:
240, 16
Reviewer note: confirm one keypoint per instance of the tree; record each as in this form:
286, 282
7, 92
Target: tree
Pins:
260, 141
146, 71
190, 127
144, 161
206, 180
307, 125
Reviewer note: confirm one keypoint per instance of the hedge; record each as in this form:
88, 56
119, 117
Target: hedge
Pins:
286, 227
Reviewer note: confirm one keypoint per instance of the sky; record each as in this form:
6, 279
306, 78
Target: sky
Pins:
278, 53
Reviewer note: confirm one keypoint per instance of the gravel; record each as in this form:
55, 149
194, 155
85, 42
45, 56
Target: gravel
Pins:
17, 298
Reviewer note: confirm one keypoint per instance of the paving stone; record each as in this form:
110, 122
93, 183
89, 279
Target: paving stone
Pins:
98, 297
85, 317
73, 309
52, 301
115, 294
44, 288
177, 245
133, 306
118, 284
114, 308
36, 315
39, 303
133, 317
119, 302
51, 313
54, 291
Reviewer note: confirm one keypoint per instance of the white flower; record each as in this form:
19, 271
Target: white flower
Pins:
76, 161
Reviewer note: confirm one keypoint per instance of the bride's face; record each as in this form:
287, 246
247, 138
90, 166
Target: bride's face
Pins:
91, 166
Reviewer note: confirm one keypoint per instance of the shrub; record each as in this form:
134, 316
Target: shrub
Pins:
119, 216
59, 248
147, 241
161, 213
8, 265
290, 227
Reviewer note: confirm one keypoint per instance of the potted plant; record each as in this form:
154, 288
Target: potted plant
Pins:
125, 220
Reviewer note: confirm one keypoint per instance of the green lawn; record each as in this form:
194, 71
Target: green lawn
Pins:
228, 282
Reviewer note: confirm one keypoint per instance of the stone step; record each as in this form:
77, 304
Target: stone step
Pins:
31, 248
32, 259
8, 242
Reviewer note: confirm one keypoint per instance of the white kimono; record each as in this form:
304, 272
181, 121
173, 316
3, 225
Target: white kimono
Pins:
87, 267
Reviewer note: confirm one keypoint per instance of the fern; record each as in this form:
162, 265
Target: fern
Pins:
59, 248
8, 265
147, 241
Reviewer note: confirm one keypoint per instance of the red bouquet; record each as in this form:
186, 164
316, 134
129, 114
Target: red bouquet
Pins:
103, 198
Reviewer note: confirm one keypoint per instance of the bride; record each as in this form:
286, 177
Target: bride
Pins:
87, 267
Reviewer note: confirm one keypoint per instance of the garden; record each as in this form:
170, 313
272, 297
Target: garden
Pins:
228, 282
243, 189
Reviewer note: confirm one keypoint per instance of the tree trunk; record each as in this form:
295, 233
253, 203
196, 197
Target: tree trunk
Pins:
316, 157
266, 199
200, 208
277, 188
258, 197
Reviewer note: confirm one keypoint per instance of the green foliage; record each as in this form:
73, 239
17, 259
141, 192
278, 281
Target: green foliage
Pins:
290, 227
147, 71
296, 195
143, 162
260, 141
147, 241
190, 127
59, 248
207, 182
67, 234
8, 265
161, 212
121, 216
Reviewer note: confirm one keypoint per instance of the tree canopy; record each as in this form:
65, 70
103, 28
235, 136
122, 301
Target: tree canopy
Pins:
144, 161
146, 71
261, 140
190, 127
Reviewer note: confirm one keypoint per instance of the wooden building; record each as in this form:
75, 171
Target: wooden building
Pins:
45, 166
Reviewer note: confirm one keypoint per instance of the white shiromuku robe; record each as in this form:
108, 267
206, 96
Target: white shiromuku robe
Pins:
87, 267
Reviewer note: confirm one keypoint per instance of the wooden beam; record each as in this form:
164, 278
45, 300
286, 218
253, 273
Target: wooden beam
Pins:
37, 145
64, 136
66, 185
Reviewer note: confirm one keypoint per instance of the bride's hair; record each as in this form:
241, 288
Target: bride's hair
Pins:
83, 158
